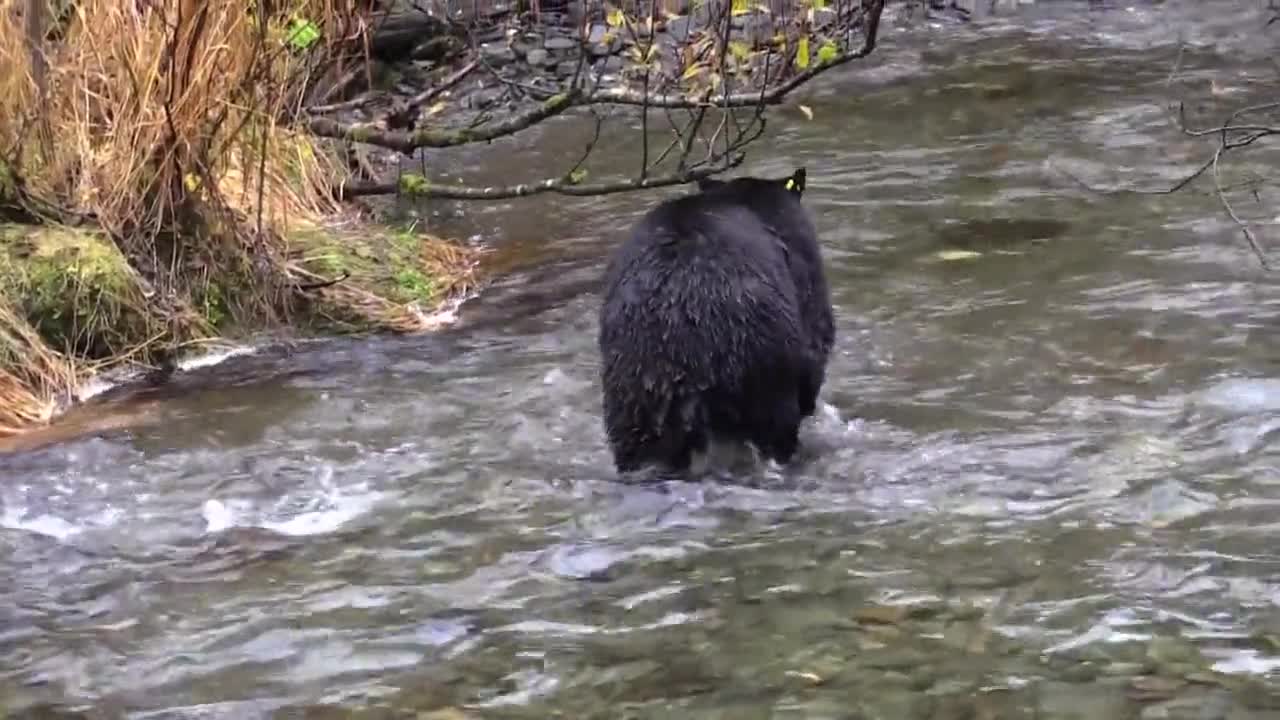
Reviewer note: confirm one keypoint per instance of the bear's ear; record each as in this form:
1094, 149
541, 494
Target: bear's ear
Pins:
795, 183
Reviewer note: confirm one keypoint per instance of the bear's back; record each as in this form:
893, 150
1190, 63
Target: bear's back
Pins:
703, 232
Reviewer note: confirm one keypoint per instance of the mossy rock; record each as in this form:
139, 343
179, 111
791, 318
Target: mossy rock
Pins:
76, 289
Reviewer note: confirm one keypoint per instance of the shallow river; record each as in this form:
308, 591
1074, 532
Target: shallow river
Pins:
1044, 482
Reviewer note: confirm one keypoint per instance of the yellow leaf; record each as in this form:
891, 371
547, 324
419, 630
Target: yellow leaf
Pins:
191, 182
808, 112
435, 109
819, 4
953, 255
614, 17
802, 52
739, 7
739, 49
693, 70
827, 53
809, 677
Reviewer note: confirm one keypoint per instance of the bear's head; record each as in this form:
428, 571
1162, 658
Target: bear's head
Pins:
748, 186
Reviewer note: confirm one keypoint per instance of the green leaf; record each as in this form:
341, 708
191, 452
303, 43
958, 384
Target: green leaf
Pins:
614, 17
828, 52
739, 50
302, 34
802, 52
413, 184
577, 176
819, 4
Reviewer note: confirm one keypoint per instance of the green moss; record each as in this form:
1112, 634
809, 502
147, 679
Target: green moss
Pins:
405, 240
413, 184
415, 284
75, 288
385, 261
214, 305
333, 263
8, 183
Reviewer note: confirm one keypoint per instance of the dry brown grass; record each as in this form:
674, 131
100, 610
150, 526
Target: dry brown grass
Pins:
158, 104
35, 381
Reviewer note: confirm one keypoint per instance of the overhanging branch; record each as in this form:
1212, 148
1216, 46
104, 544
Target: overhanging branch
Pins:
408, 141
559, 186
554, 104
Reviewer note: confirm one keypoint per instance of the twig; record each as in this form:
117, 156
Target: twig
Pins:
591, 144
1226, 204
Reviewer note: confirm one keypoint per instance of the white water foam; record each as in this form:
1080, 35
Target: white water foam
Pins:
326, 513
215, 357
1247, 662
445, 315
17, 518
97, 385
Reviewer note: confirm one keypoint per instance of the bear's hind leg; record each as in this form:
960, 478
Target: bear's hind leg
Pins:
677, 447
777, 435
670, 453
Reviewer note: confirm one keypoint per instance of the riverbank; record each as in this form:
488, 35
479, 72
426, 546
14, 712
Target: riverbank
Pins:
75, 309
151, 211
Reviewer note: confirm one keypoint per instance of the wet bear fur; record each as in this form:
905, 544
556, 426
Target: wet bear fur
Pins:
716, 324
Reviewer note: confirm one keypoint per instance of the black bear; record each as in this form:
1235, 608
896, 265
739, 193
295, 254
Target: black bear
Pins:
716, 325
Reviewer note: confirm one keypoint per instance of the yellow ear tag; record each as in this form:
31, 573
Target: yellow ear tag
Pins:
791, 184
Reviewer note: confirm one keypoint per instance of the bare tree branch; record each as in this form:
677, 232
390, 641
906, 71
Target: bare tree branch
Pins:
559, 186
693, 75
407, 142
1226, 204
415, 102
1230, 136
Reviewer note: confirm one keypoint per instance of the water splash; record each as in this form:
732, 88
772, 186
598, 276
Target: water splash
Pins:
295, 514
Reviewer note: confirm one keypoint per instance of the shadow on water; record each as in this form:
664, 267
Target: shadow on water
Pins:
1042, 483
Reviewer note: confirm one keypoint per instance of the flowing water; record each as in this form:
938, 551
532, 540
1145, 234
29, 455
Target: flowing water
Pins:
1041, 485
